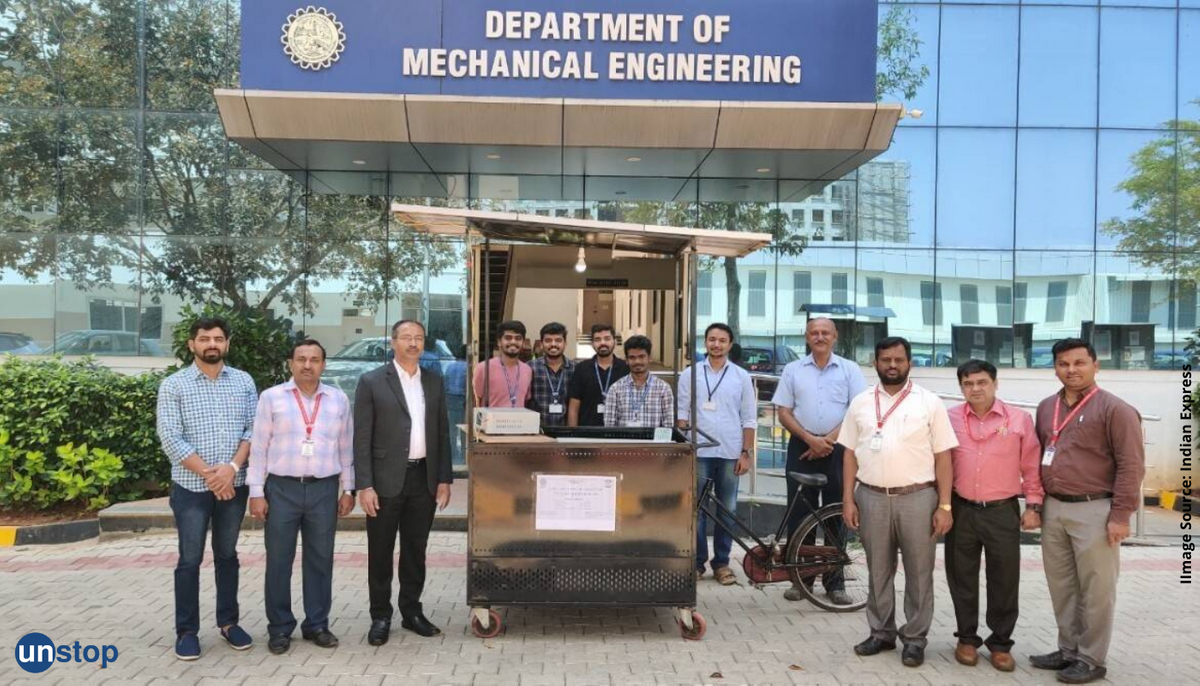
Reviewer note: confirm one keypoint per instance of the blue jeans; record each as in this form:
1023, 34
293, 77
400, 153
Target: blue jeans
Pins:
193, 513
725, 488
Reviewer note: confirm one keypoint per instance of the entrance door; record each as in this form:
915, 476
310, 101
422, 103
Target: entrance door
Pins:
597, 309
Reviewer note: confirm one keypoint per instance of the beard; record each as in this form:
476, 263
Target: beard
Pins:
212, 355
895, 379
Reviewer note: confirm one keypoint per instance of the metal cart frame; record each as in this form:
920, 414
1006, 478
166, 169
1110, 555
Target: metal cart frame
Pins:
648, 559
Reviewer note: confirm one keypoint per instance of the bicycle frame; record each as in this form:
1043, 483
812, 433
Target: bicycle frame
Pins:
707, 500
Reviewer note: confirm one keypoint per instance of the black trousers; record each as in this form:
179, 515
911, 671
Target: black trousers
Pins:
831, 492
410, 514
996, 532
310, 512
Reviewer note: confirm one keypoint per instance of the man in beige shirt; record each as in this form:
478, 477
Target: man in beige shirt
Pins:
898, 439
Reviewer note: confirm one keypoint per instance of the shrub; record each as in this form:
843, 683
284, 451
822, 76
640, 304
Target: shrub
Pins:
77, 432
259, 344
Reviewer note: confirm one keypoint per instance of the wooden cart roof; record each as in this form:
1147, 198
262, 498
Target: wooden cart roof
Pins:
538, 229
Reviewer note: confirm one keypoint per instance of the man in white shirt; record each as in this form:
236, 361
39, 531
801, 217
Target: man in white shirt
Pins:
898, 439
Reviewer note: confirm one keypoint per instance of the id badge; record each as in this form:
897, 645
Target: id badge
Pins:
1048, 456
600, 408
876, 442
556, 408
306, 449
709, 406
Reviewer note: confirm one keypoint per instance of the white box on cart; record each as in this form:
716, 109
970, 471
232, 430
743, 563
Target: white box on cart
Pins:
507, 421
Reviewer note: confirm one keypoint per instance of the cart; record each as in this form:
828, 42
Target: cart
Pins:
585, 516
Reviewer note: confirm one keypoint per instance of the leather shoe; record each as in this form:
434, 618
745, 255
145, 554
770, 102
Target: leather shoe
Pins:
967, 654
378, 634
1081, 672
322, 639
418, 624
278, 645
913, 656
1002, 661
1055, 661
873, 646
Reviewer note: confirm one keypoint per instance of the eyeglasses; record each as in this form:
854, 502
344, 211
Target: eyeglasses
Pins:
411, 339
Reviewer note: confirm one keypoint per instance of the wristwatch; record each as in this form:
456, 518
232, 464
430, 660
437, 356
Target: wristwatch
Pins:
236, 467
944, 506
1036, 507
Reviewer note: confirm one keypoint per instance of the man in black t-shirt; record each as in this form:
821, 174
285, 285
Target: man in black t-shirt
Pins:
593, 378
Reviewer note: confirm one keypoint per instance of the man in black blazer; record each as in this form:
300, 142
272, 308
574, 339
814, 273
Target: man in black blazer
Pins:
402, 470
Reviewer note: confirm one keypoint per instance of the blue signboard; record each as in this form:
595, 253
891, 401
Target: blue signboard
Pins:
762, 50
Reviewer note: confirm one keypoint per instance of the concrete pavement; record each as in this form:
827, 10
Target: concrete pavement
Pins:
119, 592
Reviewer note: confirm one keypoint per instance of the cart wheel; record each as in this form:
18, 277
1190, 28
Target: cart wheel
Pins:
493, 629
698, 627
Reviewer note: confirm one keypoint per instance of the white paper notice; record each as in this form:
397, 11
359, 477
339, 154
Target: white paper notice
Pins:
576, 503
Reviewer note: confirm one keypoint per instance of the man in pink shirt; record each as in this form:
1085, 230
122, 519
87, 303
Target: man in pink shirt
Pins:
508, 378
997, 460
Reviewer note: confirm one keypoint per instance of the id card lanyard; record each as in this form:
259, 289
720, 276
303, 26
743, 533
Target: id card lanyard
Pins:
510, 384
555, 406
987, 435
641, 401
710, 405
306, 446
604, 385
1048, 453
881, 419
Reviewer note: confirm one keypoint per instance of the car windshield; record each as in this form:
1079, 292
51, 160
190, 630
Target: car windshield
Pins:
65, 342
366, 349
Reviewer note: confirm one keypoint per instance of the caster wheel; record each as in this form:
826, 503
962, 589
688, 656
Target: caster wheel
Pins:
698, 627
493, 629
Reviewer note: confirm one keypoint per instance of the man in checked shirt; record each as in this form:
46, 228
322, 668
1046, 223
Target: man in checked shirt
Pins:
301, 479
205, 414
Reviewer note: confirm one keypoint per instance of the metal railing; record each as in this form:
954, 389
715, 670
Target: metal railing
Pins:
778, 446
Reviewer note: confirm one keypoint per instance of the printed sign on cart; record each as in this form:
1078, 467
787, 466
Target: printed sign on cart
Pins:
576, 503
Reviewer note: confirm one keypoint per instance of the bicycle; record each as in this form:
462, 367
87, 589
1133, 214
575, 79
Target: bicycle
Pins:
823, 546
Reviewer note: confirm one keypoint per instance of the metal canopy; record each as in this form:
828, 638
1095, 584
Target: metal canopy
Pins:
538, 229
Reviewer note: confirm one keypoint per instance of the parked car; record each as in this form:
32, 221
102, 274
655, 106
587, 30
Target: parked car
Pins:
18, 344
765, 360
109, 342
343, 368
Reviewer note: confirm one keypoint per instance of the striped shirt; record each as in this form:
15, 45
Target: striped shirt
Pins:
280, 431
545, 383
644, 406
206, 417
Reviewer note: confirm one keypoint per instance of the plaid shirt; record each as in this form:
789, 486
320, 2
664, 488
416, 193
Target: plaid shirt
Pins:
543, 390
651, 405
279, 432
206, 417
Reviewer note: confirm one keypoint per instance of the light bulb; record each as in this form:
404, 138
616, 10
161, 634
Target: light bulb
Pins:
581, 263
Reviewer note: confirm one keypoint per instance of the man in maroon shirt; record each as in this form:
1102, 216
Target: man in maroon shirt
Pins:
995, 462
1093, 462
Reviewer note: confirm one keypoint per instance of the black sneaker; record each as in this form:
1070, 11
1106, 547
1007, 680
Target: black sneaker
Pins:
1081, 672
323, 638
278, 645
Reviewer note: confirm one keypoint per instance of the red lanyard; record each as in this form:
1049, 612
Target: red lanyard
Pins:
309, 422
986, 434
1059, 427
880, 421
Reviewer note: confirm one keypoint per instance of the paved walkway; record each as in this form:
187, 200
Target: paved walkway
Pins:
120, 593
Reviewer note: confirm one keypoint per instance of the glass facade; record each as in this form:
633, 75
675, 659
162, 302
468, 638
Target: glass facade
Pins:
1051, 179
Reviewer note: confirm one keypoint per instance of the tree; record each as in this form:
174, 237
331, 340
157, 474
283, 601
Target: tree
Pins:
896, 71
132, 188
1164, 231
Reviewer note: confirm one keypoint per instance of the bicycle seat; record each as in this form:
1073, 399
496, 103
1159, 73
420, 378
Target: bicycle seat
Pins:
808, 479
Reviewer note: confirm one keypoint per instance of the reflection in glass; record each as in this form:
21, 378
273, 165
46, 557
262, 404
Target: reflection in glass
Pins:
978, 66
1054, 292
95, 43
1056, 189
1136, 203
1135, 307
888, 302
970, 317
906, 60
99, 311
896, 191
1137, 67
29, 150
187, 53
98, 157
975, 188
1058, 66
27, 268
1189, 66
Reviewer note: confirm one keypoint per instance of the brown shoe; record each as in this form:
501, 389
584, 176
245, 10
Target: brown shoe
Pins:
1002, 661
724, 576
966, 654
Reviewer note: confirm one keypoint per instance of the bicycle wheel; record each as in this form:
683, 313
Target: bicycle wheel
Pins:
824, 549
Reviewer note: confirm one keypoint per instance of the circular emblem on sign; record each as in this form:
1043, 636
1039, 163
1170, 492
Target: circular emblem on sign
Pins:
313, 38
